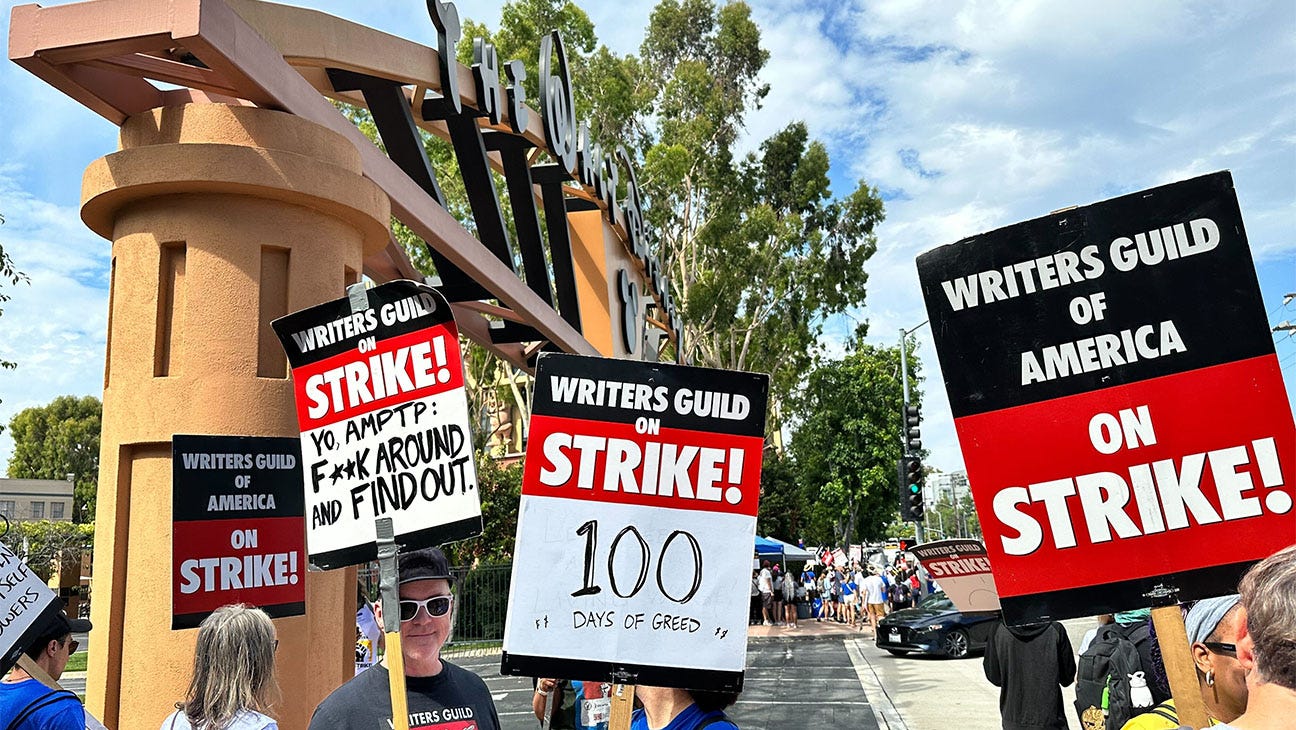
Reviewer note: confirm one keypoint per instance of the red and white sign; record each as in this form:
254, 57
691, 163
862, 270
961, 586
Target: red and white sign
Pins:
1120, 407
237, 533
962, 570
384, 422
637, 518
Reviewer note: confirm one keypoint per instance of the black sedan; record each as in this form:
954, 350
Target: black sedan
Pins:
935, 626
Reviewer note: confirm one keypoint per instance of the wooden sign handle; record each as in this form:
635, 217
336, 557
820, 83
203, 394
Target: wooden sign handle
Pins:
622, 706
1180, 670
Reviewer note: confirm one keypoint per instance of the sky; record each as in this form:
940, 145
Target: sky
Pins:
966, 117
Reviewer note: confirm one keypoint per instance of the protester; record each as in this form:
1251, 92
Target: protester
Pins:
874, 599
1212, 626
849, 589
681, 709
1266, 645
433, 686
1030, 664
25, 703
778, 595
765, 584
1103, 620
790, 588
559, 698
573, 705
233, 682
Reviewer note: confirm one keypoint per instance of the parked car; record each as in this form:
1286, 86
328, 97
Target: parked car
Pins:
935, 626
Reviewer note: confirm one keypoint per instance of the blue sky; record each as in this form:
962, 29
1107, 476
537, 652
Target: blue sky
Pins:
967, 116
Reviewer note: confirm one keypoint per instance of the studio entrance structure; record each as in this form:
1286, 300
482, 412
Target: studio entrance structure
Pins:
240, 193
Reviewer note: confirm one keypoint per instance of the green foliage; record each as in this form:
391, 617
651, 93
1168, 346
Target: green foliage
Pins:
758, 249
61, 438
42, 544
781, 512
500, 488
848, 442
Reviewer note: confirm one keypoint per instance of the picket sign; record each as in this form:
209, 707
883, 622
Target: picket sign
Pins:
385, 431
1117, 399
237, 534
635, 527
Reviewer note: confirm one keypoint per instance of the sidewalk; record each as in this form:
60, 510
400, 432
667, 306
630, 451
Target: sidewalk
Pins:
808, 628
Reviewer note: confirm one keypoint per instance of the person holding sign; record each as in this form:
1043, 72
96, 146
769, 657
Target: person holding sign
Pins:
233, 677
440, 695
1212, 625
25, 703
681, 709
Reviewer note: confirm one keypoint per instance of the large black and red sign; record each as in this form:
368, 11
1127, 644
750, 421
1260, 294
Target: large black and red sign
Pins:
1118, 400
638, 511
237, 533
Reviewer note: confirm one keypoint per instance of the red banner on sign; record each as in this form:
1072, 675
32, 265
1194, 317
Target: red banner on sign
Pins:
1131, 482
260, 562
612, 462
396, 370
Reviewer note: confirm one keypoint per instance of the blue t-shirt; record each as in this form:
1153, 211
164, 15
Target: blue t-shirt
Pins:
64, 712
689, 719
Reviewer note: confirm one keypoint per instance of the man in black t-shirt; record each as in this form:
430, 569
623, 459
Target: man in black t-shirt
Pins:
441, 696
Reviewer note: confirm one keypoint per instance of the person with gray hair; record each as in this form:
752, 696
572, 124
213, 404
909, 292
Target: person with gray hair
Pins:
1266, 647
233, 678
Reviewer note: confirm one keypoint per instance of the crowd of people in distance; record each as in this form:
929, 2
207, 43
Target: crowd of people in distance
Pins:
856, 594
1243, 648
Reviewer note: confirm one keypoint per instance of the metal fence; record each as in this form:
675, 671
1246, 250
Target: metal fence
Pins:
481, 601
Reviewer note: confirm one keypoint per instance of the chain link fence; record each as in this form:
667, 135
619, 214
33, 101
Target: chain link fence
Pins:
481, 602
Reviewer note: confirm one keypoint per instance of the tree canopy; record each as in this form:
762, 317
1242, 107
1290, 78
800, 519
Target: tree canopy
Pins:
758, 248
58, 439
848, 443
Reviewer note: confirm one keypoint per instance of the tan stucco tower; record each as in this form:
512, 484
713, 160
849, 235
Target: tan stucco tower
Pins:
221, 218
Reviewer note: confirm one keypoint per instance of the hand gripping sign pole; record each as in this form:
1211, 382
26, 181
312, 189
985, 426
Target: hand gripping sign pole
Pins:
388, 585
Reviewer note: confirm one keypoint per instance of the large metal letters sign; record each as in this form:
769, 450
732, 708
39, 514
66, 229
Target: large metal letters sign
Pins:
633, 554
384, 422
1118, 400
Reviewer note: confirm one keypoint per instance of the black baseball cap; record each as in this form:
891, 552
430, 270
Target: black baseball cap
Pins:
57, 624
424, 564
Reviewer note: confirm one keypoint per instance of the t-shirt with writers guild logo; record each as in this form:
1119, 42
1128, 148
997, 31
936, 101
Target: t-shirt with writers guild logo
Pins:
455, 699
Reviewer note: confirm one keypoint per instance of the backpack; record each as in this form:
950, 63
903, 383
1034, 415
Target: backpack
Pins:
1102, 674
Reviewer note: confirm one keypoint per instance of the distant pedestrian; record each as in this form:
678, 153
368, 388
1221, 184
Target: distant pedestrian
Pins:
790, 589
765, 584
1030, 664
874, 599
778, 594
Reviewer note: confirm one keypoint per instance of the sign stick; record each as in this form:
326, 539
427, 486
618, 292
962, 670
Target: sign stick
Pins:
622, 706
388, 585
1173, 637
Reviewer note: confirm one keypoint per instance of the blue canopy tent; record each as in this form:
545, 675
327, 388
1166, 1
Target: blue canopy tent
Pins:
768, 548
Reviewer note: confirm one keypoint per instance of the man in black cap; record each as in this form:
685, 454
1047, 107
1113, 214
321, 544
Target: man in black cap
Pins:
440, 694
25, 703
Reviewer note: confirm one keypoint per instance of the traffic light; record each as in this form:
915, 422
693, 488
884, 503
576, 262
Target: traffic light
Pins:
913, 440
911, 489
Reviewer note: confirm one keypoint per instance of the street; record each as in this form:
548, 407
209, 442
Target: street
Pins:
826, 677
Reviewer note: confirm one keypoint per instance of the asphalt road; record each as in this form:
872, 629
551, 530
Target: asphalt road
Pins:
789, 683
